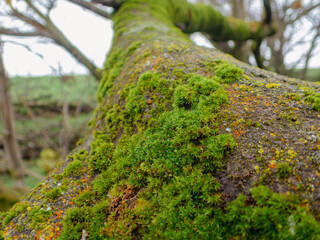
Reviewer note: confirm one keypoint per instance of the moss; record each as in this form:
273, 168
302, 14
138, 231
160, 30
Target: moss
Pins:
113, 66
228, 72
38, 216
316, 104
283, 169
14, 212
73, 168
272, 85
271, 216
158, 147
74, 223
293, 96
85, 218
85, 198
100, 155
134, 46
53, 193
312, 97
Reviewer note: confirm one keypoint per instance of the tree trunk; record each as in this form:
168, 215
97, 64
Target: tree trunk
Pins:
11, 146
187, 143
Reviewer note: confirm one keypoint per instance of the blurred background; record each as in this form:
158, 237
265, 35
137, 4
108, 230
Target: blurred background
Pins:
51, 51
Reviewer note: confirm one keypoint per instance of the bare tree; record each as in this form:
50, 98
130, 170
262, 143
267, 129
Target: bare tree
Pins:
11, 146
289, 17
33, 19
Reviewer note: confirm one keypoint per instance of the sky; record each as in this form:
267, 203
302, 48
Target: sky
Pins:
90, 33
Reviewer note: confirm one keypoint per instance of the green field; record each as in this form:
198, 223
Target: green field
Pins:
44, 97
49, 89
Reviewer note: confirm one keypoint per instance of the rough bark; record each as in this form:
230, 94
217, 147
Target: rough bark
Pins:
187, 143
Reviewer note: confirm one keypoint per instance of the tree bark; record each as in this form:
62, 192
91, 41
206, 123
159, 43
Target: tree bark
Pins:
187, 142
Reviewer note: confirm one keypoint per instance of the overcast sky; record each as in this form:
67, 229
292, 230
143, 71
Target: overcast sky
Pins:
90, 33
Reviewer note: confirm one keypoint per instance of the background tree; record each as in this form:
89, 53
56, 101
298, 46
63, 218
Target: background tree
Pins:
11, 146
32, 19
187, 142
297, 27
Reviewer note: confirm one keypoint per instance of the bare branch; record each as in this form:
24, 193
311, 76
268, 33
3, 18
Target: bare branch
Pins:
26, 47
91, 7
109, 3
40, 28
303, 13
13, 32
37, 11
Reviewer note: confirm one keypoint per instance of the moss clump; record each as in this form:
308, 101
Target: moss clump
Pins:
113, 66
14, 212
73, 168
80, 218
87, 197
316, 104
313, 98
101, 154
165, 143
272, 85
293, 96
269, 216
53, 193
38, 216
283, 169
227, 72
74, 223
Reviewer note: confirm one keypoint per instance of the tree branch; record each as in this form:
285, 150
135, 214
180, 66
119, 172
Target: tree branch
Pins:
91, 7
202, 18
37, 11
109, 3
40, 28
303, 13
13, 32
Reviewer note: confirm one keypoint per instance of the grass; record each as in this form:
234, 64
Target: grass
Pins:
47, 89
313, 74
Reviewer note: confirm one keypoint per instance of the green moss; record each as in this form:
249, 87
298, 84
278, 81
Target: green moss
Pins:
81, 155
102, 184
228, 72
101, 154
85, 198
313, 98
316, 104
113, 66
38, 216
293, 96
73, 168
14, 212
53, 193
272, 216
74, 223
134, 46
88, 218
283, 169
